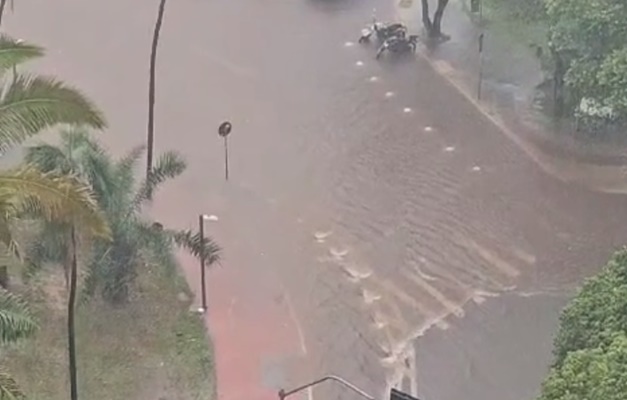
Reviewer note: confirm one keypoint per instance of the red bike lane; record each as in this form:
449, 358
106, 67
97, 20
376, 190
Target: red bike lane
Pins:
257, 343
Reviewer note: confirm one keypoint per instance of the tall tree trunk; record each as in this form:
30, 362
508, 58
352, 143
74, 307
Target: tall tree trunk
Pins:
71, 334
3, 4
426, 19
151, 88
436, 28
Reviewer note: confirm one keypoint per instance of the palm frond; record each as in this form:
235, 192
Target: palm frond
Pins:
6, 235
99, 262
205, 249
31, 104
15, 319
168, 166
47, 158
125, 167
53, 197
157, 246
9, 389
77, 138
14, 52
50, 245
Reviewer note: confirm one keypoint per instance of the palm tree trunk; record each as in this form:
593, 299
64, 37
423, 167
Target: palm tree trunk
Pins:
150, 141
3, 4
71, 334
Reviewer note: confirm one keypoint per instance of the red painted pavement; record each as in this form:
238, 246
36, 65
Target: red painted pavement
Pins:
253, 334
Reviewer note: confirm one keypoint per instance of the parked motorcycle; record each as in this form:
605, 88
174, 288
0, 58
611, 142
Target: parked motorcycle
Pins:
399, 44
382, 31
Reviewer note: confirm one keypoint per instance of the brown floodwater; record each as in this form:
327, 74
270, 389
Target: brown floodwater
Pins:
420, 246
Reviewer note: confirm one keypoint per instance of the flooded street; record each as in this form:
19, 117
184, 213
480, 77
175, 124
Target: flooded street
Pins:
419, 245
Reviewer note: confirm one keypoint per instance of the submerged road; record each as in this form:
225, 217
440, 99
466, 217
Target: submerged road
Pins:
418, 244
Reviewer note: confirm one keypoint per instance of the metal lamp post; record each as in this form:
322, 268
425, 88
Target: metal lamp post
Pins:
395, 394
203, 285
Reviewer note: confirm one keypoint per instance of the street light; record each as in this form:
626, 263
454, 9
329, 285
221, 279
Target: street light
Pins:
201, 230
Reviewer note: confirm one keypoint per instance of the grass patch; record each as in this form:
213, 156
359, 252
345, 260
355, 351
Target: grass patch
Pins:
153, 348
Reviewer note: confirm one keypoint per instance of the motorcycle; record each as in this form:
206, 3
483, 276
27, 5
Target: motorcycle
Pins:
398, 44
382, 31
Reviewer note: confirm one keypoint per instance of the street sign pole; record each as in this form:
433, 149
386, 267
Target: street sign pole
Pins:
480, 80
226, 159
223, 130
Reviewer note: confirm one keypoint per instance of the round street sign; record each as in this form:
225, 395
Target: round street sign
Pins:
224, 129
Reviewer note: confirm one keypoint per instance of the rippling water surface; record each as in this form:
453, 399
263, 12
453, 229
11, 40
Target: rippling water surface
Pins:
386, 204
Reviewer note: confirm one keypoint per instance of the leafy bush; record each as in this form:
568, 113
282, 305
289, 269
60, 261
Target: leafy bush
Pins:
591, 344
590, 374
597, 313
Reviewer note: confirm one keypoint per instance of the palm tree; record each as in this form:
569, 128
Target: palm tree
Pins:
151, 86
30, 104
136, 240
16, 323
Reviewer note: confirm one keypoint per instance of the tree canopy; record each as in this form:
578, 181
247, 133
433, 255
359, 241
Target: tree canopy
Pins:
590, 37
590, 347
112, 265
596, 373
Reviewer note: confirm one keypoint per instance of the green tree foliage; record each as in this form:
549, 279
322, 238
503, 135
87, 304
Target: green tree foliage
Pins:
15, 323
599, 311
590, 348
598, 373
137, 240
590, 38
28, 105
525, 10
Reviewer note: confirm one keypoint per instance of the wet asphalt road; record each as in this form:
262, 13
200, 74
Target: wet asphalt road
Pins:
388, 206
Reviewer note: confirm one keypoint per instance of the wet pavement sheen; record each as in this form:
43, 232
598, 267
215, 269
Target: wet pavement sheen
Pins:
417, 242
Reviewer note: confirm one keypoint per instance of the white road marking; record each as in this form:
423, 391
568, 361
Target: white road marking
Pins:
406, 110
449, 148
476, 168
389, 94
349, 44
359, 63
321, 236
373, 79
338, 254
428, 129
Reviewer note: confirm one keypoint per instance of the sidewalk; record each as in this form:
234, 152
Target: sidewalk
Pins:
510, 74
255, 340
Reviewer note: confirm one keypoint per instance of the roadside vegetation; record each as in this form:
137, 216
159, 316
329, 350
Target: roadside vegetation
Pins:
582, 47
590, 349
91, 302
